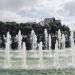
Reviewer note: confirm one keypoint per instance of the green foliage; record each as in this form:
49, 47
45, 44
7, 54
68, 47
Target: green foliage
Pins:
55, 25
26, 28
13, 28
67, 71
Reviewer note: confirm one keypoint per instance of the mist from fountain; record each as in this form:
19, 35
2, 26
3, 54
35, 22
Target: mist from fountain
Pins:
7, 51
33, 39
40, 48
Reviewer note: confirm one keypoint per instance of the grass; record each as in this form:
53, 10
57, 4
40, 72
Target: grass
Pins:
38, 72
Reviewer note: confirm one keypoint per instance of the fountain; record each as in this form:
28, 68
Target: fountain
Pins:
19, 40
46, 38
56, 45
72, 39
40, 66
56, 55
7, 51
63, 41
39, 54
72, 47
49, 39
59, 38
33, 39
24, 52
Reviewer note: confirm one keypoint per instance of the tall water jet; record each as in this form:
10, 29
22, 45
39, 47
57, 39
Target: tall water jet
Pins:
59, 38
24, 53
72, 47
72, 39
7, 51
46, 38
56, 55
49, 42
40, 55
63, 41
19, 40
35, 42
33, 39
56, 45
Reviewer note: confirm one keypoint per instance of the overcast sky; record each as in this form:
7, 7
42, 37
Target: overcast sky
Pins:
37, 10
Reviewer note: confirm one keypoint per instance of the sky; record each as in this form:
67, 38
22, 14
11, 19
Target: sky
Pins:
37, 10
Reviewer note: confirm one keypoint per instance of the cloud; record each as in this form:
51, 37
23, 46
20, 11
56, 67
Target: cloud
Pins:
45, 8
17, 4
10, 16
10, 8
67, 13
35, 10
69, 8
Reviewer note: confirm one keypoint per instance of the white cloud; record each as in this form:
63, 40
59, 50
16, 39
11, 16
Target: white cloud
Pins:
35, 10
10, 16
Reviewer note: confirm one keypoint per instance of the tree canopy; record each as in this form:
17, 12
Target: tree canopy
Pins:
13, 27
